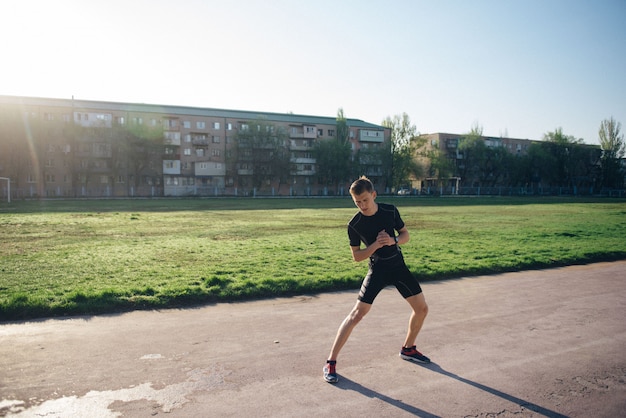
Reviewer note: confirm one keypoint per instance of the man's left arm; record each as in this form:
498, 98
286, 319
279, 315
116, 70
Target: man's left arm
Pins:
384, 239
403, 236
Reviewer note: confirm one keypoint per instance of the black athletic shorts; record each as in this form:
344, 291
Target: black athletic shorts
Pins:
389, 272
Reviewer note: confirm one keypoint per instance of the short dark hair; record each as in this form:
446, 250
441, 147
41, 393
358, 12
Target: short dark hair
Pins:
361, 185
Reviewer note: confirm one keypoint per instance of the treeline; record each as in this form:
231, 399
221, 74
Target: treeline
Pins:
558, 161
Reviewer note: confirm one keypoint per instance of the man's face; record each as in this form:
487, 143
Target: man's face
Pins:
365, 202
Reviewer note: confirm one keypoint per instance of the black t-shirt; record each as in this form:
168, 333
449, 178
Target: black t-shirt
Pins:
365, 229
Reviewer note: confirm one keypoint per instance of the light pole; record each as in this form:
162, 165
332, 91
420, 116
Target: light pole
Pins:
8, 186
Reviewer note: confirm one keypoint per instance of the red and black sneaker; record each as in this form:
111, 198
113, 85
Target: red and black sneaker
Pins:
411, 354
330, 372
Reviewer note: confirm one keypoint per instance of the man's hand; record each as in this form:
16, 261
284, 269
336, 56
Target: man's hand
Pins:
384, 239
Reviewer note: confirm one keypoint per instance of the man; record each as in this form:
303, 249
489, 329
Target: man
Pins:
375, 226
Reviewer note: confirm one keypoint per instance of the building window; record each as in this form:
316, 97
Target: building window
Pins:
229, 126
167, 123
104, 179
200, 125
200, 152
186, 124
187, 151
216, 125
331, 132
216, 139
172, 136
171, 181
215, 153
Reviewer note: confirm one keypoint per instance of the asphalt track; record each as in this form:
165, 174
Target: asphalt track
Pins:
534, 343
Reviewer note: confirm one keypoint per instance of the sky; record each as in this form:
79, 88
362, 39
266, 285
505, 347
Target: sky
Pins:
515, 68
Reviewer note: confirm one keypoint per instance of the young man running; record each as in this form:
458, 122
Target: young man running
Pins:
375, 225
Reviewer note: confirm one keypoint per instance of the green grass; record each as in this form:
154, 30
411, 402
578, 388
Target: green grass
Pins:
90, 257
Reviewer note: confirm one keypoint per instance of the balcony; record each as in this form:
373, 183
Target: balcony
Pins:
307, 132
306, 145
200, 142
300, 148
302, 160
366, 135
171, 138
303, 172
171, 167
207, 168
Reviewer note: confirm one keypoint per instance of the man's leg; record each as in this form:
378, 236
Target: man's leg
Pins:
420, 310
346, 327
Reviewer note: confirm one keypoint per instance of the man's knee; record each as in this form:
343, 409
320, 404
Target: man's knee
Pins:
359, 312
418, 303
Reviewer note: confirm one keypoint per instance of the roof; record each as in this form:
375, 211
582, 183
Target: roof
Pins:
186, 110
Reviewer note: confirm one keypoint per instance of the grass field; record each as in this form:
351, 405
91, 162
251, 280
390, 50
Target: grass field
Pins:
98, 256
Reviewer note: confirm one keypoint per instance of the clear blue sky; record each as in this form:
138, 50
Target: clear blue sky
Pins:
518, 68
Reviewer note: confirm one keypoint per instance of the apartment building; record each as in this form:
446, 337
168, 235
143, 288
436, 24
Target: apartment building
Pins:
449, 143
80, 148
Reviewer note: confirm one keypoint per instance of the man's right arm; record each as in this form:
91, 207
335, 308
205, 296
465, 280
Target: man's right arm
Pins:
383, 239
360, 254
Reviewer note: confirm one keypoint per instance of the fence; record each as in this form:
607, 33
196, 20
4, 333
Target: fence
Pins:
523, 191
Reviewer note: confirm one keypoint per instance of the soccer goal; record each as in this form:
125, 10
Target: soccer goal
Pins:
8, 188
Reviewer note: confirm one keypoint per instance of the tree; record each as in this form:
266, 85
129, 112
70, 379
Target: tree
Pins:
334, 161
613, 150
496, 167
334, 156
263, 150
17, 160
537, 165
403, 149
343, 132
440, 165
143, 146
562, 150
473, 150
